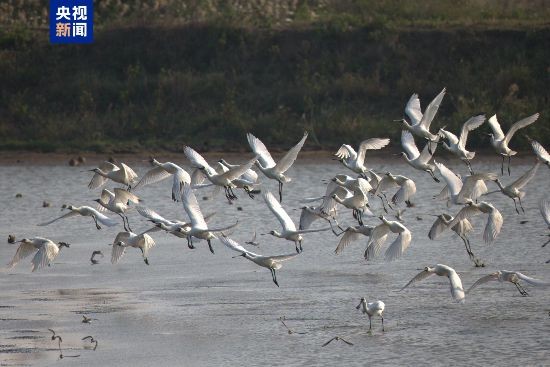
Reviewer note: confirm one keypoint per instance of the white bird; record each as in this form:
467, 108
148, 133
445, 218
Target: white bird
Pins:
456, 145
378, 238
309, 214
199, 229
352, 234
494, 221
117, 202
267, 165
419, 124
289, 231
273, 263
355, 161
357, 199
118, 173
461, 228
500, 142
540, 152
85, 211
407, 188
247, 181
162, 171
223, 179
414, 158
513, 190
142, 241
442, 270
372, 309
47, 251
544, 207
462, 192
509, 276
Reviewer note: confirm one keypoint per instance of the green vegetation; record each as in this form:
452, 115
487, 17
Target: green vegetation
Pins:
163, 73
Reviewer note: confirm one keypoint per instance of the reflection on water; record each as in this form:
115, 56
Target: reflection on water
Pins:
190, 307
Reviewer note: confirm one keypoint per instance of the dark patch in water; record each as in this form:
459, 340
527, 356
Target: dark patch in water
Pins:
42, 299
7, 306
26, 337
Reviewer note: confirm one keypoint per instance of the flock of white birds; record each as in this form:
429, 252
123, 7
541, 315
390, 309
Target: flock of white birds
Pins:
343, 192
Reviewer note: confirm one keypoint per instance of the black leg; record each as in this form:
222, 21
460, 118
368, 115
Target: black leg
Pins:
301, 249
370, 323
190, 242
96, 225
509, 159
280, 192
521, 205
274, 277
382, 323
297, 248
123, 221
433, 176
502, 167
546, 243
516, 206
210, 246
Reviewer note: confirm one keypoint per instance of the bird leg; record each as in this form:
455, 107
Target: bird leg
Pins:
509, 159
95, 220
433, 176
123, 221
515, 205
370, 323
190, 242
387, 201
274, 277
360, 217
301, 249
383, 204
546, 243
280, 192
334, 231
297, 248
128, 223
467, 161
233, 196
502, 167
521, 205
521, 290
382, 322
210, 245
247, 190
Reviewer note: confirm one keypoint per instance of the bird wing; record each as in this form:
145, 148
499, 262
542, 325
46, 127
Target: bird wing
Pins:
540, 151
197, 160
526, 177
72, 213
373, 143
453, 182
220, 230
407, 190
345, 152
474, 186
472, 124
152, 176
192, 208
327, 343
495, 126
237, 171
545, 210
484, 279
431, 110
494, 224
45, 255
279, 258
530, 280
259, 149
346, 239
124, 196
235, 246
465, 213
438, 227
24, 250
520, 125
448, 135
408, 144
181, 177
102, 218
130, 173
443, 194
152, 215
106, 196
307, 217
457, 291
418, 277
145, 242
118, 251
279, 212
398, 246
98, 180
362, 186
385, 184
197, 177
377, 238
412, 109
286, 162
425, 156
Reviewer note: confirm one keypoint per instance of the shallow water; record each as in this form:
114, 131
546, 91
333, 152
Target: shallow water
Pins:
192, 308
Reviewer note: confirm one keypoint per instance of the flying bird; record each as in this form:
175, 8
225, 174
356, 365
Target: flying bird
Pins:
544, 207
142, 241
118, 203
85, 211
407, 188
337, 338
289, 330
494, 221
118, 173
267, 165
162, 171
272, 263
46, 252
378, 238
513, 277
352, 234
414, 158
461, 192
513, 190
500, 142
442, 270
355, 161
541, 153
